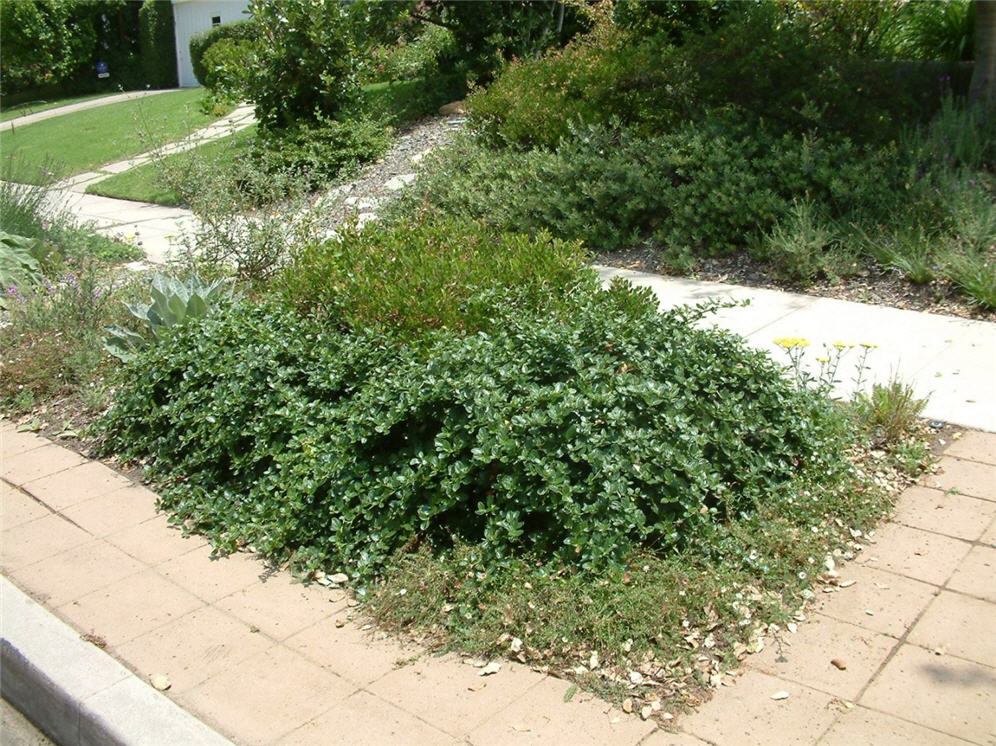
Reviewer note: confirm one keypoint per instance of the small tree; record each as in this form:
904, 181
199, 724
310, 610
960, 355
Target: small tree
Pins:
306, 64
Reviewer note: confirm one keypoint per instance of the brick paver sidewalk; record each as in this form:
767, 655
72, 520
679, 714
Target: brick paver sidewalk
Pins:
265, 660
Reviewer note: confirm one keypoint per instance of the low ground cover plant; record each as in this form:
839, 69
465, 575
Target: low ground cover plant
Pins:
595, 482
572, 439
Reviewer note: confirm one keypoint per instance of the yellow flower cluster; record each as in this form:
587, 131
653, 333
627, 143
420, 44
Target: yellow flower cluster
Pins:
789, 342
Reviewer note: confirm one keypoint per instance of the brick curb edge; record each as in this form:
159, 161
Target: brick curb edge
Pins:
77, 694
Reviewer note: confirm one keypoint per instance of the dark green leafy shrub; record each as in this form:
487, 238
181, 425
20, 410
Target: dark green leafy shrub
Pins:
607, 75
567, 439
711, 187
45, 42
769, 66
245, 31
488, 34
319, 150
409, 59
672, 20
228, 63
432, 274
157, 43
306, 67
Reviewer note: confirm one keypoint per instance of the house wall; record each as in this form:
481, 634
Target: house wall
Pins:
193, 16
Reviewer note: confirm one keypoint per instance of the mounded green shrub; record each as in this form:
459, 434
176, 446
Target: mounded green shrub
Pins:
244, 31
711, 187
431, 274
571, 440
607, 75
227, 66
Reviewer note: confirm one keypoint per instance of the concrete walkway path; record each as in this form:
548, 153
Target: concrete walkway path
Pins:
948, 360
79, 106
259, 659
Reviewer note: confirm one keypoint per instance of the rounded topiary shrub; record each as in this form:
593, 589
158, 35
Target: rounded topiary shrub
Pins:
245, 31
565, 439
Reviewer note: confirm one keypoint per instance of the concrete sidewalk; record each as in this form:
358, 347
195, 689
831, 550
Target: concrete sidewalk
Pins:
948, 360
264, 660
58, 111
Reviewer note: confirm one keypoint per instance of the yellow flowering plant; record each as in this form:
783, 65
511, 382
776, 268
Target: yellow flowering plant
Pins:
826, 378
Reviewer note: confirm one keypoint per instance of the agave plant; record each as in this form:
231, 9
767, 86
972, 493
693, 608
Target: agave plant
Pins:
174, 301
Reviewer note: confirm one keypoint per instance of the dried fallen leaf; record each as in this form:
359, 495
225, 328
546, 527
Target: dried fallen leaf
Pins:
646, 712
847, 583
627, 705
780, 695
838, 664
492, 668
636, 677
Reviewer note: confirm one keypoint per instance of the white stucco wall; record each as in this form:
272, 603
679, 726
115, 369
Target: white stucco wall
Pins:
193, 16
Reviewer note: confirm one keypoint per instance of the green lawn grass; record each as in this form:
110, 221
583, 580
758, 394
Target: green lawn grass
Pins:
143, 183
396, 103
85, 140
33, 107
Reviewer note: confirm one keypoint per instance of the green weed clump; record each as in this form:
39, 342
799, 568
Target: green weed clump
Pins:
574, 439
51, 340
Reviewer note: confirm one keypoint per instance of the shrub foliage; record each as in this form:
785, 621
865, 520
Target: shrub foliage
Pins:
157, 42
570, 438
432, 274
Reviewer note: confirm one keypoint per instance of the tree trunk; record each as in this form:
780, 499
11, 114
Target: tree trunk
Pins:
984, 75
